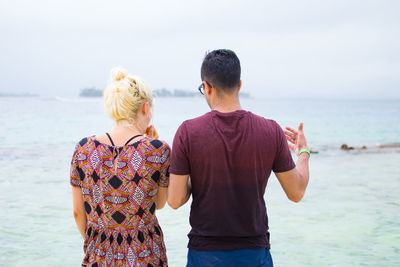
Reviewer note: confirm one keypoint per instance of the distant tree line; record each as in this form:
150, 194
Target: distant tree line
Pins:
91, 92
94, 92
18, 95
183, 93
175, 93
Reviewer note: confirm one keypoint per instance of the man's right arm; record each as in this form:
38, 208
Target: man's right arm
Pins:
179, 190
294, 182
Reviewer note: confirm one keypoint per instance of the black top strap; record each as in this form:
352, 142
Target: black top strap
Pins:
109, 137
130, 139
127, 142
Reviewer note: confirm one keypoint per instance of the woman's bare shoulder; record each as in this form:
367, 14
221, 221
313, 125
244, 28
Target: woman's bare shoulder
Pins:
102, 138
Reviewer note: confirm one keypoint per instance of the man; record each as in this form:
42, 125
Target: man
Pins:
228, 154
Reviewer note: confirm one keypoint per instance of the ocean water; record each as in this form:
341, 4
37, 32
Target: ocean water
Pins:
350, 215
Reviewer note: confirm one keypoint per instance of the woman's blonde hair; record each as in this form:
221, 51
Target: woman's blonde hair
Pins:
125, 94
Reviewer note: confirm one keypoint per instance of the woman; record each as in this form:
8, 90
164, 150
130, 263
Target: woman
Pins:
119, 179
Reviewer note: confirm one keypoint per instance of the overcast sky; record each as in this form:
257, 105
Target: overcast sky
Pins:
293, 48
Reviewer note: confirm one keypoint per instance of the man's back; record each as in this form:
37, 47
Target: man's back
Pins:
223, 159
229, 157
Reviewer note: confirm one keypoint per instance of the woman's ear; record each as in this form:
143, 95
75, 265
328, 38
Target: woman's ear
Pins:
145, 108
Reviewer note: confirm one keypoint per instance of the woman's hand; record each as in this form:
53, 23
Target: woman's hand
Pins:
297, 138
151, 132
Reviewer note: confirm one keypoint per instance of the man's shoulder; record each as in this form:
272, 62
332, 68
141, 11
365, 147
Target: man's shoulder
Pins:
199, 119
205, 118
262, 120
196, 122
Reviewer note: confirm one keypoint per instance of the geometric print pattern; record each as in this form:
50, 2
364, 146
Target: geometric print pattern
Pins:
122, 228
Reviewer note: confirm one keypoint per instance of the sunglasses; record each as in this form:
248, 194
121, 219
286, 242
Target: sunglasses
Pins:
201, 87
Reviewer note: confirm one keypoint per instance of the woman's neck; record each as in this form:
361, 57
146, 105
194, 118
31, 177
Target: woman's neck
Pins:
131, 127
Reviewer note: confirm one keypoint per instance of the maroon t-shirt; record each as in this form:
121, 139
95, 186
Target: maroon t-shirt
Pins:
229, 157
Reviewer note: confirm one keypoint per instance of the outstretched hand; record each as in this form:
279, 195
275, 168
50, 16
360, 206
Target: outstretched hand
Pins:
152, 132
296, 138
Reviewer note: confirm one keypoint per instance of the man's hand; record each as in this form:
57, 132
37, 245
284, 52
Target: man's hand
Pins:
151, 132
296, 138
294, 182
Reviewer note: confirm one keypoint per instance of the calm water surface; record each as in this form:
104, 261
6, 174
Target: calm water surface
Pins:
350, 215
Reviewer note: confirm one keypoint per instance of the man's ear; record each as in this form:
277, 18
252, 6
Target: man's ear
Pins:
207, 88
240, 85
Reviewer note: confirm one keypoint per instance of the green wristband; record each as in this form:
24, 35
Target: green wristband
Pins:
305, 150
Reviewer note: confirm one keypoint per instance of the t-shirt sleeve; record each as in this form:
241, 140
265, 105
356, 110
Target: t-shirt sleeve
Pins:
166, 159
283, 159
75, 171
180, 161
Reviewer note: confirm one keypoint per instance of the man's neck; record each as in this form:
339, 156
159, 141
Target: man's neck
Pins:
226, 105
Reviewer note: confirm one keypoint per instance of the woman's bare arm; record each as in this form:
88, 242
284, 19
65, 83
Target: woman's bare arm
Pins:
79, 210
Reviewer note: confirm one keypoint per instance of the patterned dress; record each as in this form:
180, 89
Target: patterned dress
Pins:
122, 229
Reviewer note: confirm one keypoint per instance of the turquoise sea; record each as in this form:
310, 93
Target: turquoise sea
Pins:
350, 215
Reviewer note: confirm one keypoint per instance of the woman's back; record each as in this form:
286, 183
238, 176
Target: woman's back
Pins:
119, 186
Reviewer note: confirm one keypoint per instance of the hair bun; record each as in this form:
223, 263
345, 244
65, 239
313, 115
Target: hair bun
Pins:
118, 73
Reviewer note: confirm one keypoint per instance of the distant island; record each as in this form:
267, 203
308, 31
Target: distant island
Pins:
91, 92
176, 93
183, 93
244, 95
18, 95
94, 92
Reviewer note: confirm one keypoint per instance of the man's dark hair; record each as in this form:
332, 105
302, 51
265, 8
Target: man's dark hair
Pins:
221, 68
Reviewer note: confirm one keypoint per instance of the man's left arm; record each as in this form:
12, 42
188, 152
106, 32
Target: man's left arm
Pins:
294, 182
